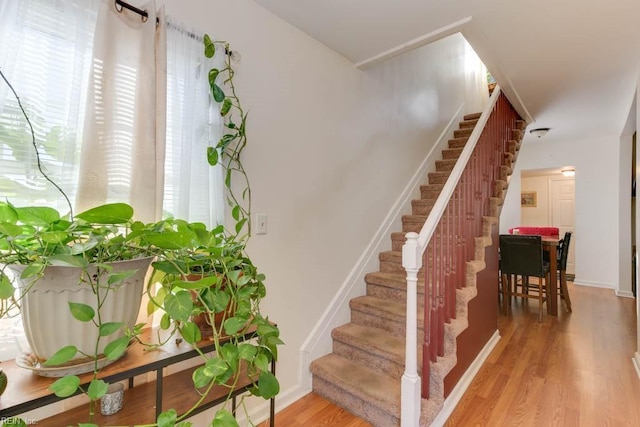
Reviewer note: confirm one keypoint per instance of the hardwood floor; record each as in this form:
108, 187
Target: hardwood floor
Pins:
573, 370
314, 411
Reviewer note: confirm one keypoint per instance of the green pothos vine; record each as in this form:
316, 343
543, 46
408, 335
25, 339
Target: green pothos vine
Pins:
228, 149
228, 283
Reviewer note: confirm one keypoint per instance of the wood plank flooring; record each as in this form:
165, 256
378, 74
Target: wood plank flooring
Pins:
315, 411
573, 370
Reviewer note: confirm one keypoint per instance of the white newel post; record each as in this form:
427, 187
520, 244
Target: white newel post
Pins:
410, 391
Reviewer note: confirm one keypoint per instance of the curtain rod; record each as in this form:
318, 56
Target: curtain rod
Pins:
143, 13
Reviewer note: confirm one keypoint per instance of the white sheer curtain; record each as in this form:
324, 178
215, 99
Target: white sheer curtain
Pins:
45, 54
124, 133
193, 189
48, 56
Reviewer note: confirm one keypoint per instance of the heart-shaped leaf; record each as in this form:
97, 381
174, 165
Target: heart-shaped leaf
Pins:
82, 312
61, 356
65, 386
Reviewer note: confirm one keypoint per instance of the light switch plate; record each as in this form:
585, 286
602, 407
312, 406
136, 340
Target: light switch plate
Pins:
261, 223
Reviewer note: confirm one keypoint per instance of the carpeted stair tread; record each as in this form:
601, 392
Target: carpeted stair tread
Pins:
438, 177
422, 206
458, 142
390, 310
373, 340
451, 153
392, 280
472, 116
392, 286
413, 222
431, 191
395, 256
468, 124
445, 165
361, 381
459, 133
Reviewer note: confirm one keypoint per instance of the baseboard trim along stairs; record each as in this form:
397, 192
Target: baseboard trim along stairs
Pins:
363, 373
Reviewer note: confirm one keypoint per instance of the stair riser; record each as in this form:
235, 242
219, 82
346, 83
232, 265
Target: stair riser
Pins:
391, 294
451, 154
411, 227
445, 165
458, 143
468, 124
422, 206
430, 193
461, 133
438, 177
396, 327
395, 267
368, 411
371, 361
397, 241
472, 116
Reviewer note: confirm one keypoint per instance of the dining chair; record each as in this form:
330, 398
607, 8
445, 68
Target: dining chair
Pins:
521, 255
563, 255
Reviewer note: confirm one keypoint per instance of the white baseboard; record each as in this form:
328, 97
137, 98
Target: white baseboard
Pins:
636, 363
258, 413
319, 341
458, 391
625, 294
580, 282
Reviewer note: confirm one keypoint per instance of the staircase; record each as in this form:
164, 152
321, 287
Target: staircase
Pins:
363, 373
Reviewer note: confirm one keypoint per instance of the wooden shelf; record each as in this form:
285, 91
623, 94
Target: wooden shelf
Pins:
138, 407
26, 390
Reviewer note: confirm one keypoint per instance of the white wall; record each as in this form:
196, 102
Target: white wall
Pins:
330, 147
597, 163
538, 215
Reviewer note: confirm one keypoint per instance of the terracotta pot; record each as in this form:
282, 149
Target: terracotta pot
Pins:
202, 320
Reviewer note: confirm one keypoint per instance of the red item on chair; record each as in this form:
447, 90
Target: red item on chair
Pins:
540, 231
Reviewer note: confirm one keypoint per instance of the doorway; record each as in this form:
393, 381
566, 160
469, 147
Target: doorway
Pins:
555, 204
562, 203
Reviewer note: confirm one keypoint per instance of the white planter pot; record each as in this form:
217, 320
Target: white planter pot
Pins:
48, 323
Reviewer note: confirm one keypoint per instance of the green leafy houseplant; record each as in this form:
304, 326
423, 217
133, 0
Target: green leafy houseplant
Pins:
227, 284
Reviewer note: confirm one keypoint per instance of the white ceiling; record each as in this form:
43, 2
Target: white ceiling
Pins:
571, 65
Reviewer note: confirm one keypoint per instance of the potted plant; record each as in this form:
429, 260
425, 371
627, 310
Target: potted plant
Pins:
227, 285
84, 263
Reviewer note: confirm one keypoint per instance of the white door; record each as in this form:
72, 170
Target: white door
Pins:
562, 194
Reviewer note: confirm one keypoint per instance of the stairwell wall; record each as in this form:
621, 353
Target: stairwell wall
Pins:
330, 147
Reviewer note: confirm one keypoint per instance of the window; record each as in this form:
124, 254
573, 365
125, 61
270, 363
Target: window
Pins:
46, 52
47, 56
